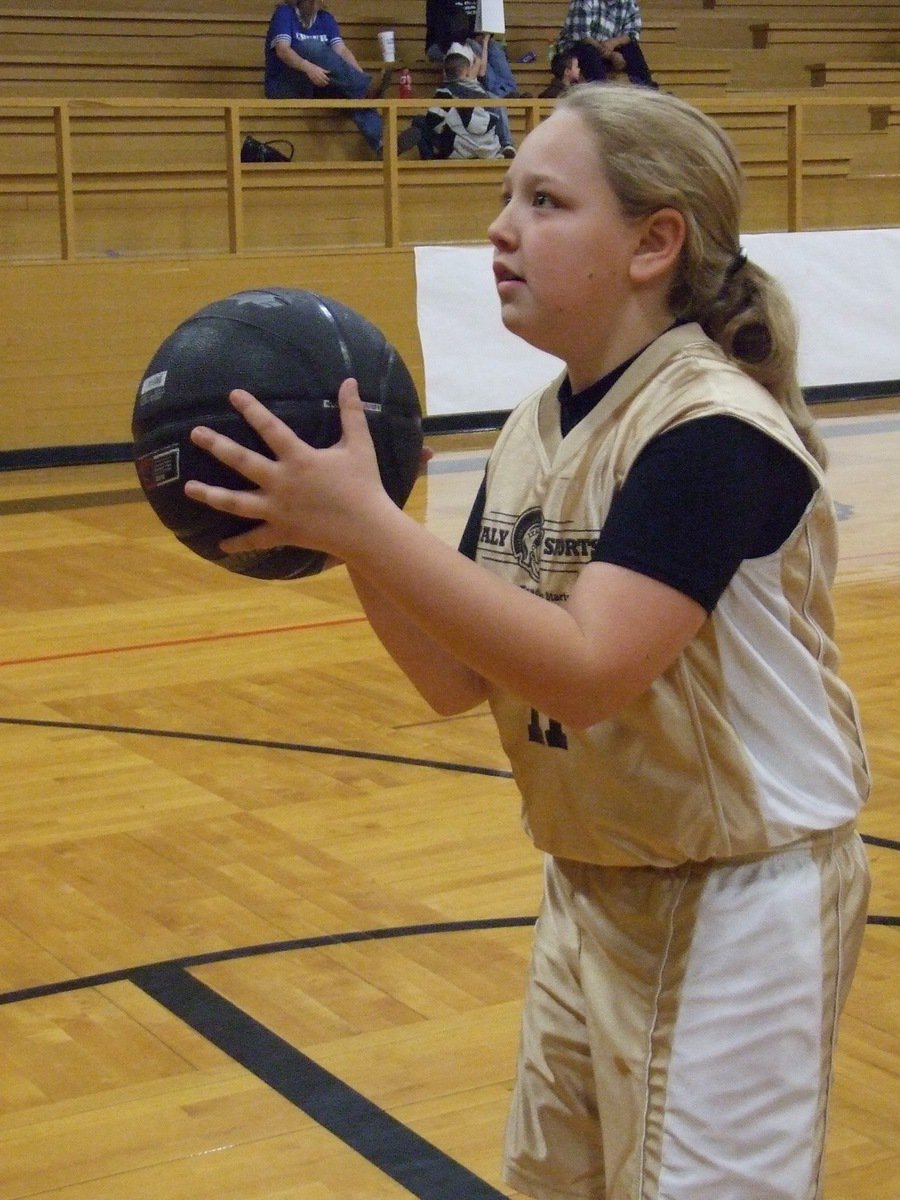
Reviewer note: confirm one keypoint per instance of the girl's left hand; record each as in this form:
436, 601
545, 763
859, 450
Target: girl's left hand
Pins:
319, 499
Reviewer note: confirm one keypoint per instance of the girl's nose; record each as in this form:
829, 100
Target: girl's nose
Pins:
500, 231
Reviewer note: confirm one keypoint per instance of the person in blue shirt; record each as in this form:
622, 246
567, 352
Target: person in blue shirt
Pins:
306, 57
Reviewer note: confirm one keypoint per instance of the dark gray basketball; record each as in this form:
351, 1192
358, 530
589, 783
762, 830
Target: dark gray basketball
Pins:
292, 349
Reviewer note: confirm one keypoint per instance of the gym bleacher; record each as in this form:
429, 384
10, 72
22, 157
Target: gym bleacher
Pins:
89, 123
120, 137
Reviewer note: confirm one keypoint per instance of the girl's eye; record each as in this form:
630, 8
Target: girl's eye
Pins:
541, 200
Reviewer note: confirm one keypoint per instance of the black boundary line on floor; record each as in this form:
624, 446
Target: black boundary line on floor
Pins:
263, 744
419, 1166
106, 499
416, 1164
41, 504
314, 942
96, 454
309, 748
395, 1149
389, 1145
403, 1155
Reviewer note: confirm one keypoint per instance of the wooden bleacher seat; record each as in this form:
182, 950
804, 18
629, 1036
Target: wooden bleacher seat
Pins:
785, 10
808, 34
163, 72
180, 37
764, 164
148, 181
684, 71
884, 117
76, 74
783, 50
801, 12
767, 121
872, 76
211, 55
796, 42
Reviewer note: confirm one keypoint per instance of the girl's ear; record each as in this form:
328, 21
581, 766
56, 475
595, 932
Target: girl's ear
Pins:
662, 236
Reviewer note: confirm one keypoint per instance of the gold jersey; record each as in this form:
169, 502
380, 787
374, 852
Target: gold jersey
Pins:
750, 741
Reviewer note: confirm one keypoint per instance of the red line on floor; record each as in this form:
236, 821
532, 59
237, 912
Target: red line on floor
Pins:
210, 637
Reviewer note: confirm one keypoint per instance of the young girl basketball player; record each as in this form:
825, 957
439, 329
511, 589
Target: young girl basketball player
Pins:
643, 597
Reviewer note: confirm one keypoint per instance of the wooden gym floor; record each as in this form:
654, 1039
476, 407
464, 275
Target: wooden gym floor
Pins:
265, 919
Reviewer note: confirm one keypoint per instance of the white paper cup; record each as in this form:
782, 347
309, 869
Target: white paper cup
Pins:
386, 45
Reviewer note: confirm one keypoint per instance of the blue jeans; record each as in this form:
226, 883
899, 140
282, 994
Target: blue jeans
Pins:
499, 81
344, 81
503, 132
498, 78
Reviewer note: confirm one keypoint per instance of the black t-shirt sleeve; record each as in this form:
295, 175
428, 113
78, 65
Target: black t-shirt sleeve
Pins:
699, 500
468, 543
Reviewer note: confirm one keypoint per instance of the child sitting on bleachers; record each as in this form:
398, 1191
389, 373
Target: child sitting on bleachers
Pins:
452, 132
566, 71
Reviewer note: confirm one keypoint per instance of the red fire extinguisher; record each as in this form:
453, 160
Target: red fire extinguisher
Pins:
404, 84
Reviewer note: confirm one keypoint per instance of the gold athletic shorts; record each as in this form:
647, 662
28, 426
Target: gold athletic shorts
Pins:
679, 1025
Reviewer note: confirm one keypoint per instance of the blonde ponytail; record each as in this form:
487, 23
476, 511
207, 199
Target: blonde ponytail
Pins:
660, 152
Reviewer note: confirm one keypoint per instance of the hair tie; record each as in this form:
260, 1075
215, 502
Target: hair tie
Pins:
737, 264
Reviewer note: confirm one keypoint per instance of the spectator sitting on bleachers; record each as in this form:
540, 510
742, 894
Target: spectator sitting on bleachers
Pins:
449, 21
605, 35
306, 57
566, 72
459, 132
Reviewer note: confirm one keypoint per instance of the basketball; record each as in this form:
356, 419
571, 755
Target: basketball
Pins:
292, 349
